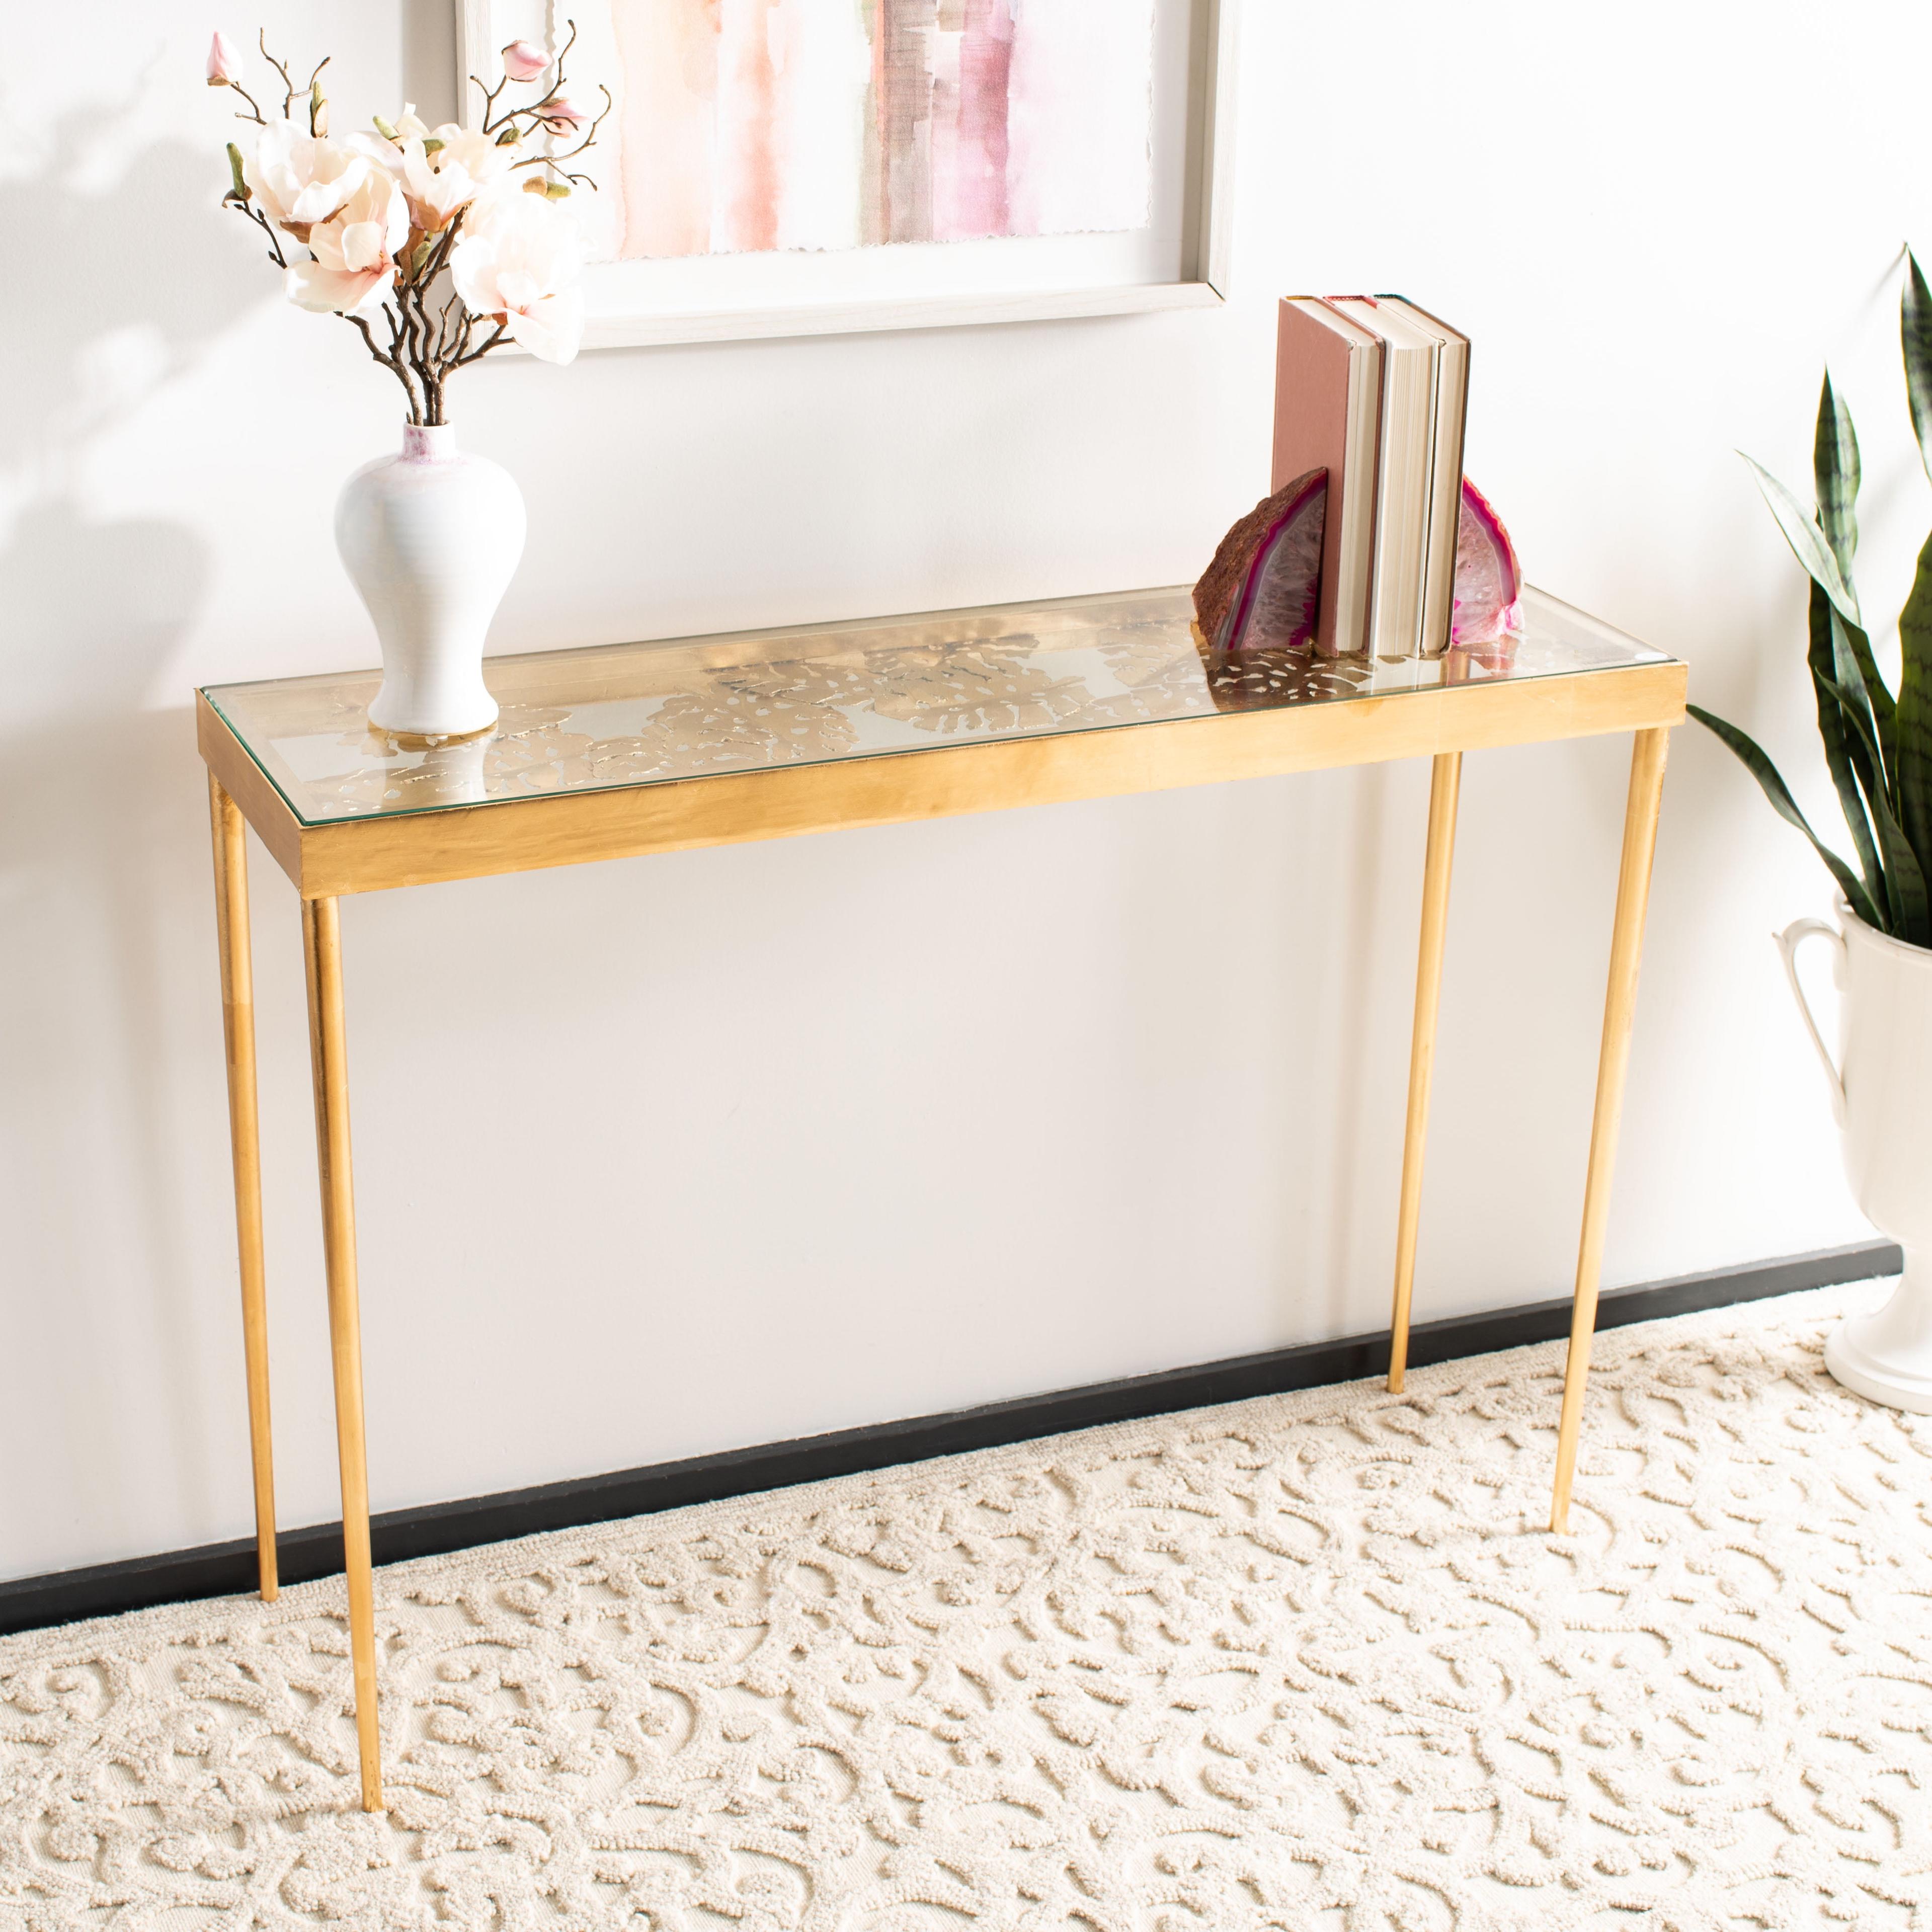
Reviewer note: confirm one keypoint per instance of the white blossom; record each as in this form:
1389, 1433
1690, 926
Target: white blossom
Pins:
442, 182
517, 262
355, 265
297, 178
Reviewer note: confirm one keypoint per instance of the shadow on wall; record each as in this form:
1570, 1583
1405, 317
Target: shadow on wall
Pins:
103, 859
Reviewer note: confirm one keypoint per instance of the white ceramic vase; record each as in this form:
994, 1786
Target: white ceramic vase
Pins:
430, 538
1882, 1093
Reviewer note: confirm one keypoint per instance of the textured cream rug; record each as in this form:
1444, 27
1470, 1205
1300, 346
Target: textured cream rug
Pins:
1310, 1661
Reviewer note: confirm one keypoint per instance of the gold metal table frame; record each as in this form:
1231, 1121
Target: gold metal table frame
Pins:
628, 749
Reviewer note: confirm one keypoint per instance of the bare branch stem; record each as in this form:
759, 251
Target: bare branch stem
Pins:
489, 93
498, 334
268, 228
551, 161
392, 361
254, 113
289, 96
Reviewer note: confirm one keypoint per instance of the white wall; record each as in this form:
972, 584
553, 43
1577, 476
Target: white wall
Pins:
692, 1152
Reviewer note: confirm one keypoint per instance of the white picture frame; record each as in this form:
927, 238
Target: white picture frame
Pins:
1182, 261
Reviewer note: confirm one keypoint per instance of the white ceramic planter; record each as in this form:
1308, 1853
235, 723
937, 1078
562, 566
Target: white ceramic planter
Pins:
430, 538
1882, 1092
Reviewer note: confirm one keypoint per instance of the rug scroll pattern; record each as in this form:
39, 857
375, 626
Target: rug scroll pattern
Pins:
1308, 1661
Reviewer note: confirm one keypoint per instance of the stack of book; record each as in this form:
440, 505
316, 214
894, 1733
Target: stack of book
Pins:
1374, 390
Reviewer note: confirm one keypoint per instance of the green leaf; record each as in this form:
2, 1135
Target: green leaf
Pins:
1914, 719
1885, 708
1761, 768
1904, 877
1834, 464
1884, 884
1909, 912
1916, 328
1843, 753
1874, 752
1808, 542
1852, 665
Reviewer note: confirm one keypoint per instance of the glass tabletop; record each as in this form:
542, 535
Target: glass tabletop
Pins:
619, 715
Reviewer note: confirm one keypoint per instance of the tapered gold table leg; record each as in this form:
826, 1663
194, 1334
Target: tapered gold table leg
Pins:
238, 1027
1646, 795
322, 941
1445, 785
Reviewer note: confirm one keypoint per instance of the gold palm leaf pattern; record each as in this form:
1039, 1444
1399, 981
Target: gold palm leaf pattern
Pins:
971, 690
633, 714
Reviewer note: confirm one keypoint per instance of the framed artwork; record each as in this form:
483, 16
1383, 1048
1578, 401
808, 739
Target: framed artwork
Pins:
801, 167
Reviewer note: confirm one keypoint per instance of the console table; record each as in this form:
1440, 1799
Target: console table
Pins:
631, 749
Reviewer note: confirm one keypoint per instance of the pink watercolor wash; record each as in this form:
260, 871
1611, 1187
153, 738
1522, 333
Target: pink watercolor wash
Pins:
751, 125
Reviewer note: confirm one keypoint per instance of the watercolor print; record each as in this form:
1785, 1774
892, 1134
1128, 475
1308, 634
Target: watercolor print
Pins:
742, 126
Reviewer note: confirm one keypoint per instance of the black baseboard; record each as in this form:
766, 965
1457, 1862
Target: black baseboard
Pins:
225, 1569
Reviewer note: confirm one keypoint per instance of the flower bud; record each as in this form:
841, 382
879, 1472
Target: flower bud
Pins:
239, 192
224, 64
524, 61
384, 128
318, 112
563, 115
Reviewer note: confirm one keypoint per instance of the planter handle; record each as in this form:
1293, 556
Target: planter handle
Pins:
1793, 936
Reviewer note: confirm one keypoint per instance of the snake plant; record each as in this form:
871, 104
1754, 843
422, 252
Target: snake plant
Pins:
1878, 746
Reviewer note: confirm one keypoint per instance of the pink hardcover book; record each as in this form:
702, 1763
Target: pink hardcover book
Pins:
1327, 415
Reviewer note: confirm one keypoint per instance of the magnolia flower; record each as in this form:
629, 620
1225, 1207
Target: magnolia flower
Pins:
442, 181
563, 115
296, 179
224, 64
385, 146
516, 262
355, 265
384, 214
523, 61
